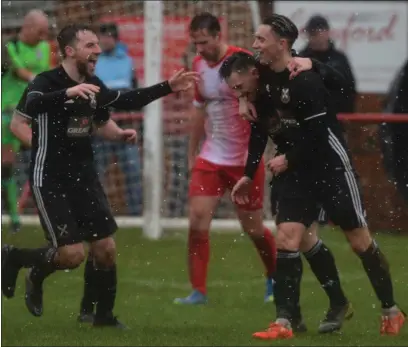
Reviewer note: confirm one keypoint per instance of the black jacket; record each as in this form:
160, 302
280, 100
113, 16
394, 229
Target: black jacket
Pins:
394, 136
344, 99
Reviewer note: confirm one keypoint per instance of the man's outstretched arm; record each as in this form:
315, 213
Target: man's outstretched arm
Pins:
138, 98
333, 77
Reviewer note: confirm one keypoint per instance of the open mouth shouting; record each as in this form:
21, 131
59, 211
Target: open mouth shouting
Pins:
92, 59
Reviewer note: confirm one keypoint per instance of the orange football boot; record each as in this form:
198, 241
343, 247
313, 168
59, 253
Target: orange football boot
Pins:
391, 324
274, 332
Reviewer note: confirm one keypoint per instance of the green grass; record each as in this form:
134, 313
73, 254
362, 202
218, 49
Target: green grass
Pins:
153, 273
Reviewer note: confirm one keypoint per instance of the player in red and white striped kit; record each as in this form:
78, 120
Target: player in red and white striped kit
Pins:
221, 161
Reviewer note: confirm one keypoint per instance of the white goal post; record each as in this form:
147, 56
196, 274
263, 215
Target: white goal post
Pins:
153, 129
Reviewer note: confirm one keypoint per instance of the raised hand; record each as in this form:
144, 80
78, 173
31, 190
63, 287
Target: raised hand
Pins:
82, 90
182, 80
278, 164
298, 64
129, 135
247, 110
240, 192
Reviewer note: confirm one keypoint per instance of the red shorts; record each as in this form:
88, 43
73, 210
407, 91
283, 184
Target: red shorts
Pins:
208, 179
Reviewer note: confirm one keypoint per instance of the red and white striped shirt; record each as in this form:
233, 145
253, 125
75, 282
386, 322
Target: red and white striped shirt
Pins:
227, 134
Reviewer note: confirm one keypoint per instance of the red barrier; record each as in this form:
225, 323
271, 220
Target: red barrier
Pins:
176, 121
344, 117
373, 117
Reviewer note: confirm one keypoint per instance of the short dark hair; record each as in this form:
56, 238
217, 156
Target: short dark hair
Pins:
68, 35
237, 62
317, 23
283, 27
110, 29
207, 21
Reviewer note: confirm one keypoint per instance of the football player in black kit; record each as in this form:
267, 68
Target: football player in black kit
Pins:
65, 106
315, 251
312, 167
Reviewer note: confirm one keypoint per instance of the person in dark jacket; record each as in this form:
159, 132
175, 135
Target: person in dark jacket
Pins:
394, 135
321, 47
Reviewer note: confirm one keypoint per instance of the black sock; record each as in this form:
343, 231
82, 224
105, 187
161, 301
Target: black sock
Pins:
378, 271
106, 284
39, 273
90, 286
287, 285
323, 265
32, 257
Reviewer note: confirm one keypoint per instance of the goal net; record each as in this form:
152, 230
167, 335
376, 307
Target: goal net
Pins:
150, 179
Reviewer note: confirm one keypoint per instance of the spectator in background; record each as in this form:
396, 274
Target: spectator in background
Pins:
23, 57
115, 69
395, 135
322, 48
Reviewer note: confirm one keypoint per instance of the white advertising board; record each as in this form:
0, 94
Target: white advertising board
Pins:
374, 35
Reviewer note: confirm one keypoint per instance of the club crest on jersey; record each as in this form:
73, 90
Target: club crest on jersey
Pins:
285, 97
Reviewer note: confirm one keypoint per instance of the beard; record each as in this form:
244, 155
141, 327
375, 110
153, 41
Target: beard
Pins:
82, 67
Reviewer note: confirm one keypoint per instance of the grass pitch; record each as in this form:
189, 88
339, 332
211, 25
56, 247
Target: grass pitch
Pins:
152, 273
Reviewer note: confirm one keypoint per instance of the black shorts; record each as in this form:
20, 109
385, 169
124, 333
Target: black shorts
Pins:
72, 214
300, 198
292, 199
321, 218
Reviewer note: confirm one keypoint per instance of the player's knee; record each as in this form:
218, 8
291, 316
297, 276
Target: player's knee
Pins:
104, 252
289, 236
359, 239
309, 238
71, 256
252, 222
200, 217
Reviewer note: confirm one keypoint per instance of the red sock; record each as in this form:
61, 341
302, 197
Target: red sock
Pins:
266, 247
198, 258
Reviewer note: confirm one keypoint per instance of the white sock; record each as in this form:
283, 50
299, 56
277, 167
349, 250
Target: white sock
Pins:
285, 322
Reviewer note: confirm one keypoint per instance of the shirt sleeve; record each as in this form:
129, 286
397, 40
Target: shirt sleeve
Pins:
102, 116
333, 78
310, 108
256, 148
41, 98
134, 99
198, 100
15, 60
21, 106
